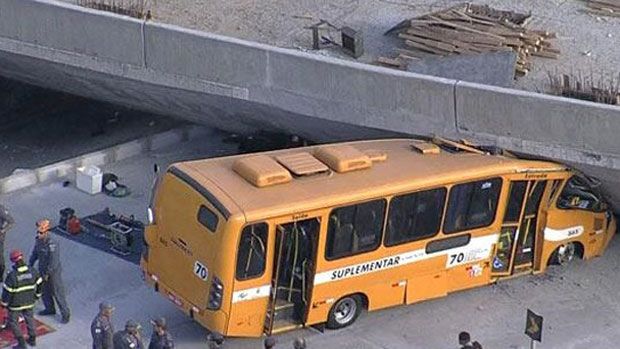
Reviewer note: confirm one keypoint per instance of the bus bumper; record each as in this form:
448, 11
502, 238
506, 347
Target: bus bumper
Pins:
214, 321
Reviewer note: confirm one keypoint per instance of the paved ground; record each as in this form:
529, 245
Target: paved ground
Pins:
282, 22
580, 303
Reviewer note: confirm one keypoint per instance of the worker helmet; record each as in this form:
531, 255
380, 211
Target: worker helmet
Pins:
43, 225
16, 255
105, 306
131, 325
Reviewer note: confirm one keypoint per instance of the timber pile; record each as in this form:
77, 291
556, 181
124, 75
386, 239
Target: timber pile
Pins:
471, 29
604, 7
605, 90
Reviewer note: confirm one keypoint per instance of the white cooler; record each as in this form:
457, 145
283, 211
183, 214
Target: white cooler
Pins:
89, 179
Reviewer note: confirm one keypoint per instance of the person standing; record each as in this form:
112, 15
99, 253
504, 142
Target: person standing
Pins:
129, 338
102, 329
6, 223
161, 338
466, 343
47, 252
21, 290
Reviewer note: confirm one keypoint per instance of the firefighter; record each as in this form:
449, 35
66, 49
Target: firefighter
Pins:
161, 338
22, 288
129, 338
47, 252
102, 329
6, 223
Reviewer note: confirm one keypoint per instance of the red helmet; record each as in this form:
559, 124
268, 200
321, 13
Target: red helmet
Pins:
16, 255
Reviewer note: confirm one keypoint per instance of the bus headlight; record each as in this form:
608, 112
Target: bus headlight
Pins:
216, 292
150, 216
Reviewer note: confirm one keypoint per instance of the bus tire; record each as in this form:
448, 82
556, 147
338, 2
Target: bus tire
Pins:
344, 312
564, 254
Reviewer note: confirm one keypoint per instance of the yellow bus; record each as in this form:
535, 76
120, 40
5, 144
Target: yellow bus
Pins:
262, 243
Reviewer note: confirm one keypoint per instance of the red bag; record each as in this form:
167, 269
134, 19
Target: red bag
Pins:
74, 226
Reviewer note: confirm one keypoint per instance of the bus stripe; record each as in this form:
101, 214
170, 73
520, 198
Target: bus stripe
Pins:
251, 294
478, 249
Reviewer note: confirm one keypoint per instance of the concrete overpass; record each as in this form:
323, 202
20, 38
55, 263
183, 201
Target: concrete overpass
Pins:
235, 84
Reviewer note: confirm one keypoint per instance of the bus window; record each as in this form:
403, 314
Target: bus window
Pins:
252, 252
577, 194
472, 205
414, 216
355, 229
207, 218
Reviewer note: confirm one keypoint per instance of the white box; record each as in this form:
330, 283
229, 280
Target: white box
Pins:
89, 179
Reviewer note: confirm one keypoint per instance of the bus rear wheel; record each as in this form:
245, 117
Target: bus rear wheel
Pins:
344, 312
564, 254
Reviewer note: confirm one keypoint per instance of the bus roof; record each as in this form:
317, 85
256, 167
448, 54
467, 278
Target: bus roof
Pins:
405, 169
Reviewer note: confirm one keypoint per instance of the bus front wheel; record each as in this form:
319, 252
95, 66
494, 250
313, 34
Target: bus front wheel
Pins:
564, 254
344, 312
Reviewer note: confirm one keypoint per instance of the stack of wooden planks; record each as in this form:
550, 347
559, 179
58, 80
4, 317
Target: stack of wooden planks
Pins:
470, 29
604, 7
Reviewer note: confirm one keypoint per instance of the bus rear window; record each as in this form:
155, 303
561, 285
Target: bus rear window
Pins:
252, 252
208, 218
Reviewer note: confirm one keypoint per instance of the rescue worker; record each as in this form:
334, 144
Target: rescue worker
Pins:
299, 343
6, 223
22, 288
47, 252
129, 338
102, 329
270, 342
466, 343
161, 338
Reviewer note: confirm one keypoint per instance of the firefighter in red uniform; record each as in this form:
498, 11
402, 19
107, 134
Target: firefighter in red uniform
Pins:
22, 288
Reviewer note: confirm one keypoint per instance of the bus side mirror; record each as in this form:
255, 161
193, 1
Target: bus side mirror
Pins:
156, 168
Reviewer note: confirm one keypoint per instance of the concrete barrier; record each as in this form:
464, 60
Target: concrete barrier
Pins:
360, 94
199, 55
70, 28
303, 83
556, 121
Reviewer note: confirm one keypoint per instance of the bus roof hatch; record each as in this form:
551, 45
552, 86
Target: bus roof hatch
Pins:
343, 158
302, 164
262, 171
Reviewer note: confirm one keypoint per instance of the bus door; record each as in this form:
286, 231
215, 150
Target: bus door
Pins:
293, 274
521, 228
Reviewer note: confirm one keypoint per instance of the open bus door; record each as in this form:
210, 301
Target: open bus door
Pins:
293, 274
521, 232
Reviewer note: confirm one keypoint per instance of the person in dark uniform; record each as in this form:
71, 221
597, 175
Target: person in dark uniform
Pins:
270, 342
161, 338
6, 223
47, 252
102, 329
129, 338
22, 288
466, 343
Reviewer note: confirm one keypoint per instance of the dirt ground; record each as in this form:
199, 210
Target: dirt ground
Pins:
589, 44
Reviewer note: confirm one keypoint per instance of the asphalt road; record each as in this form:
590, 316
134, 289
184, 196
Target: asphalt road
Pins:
579, 303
